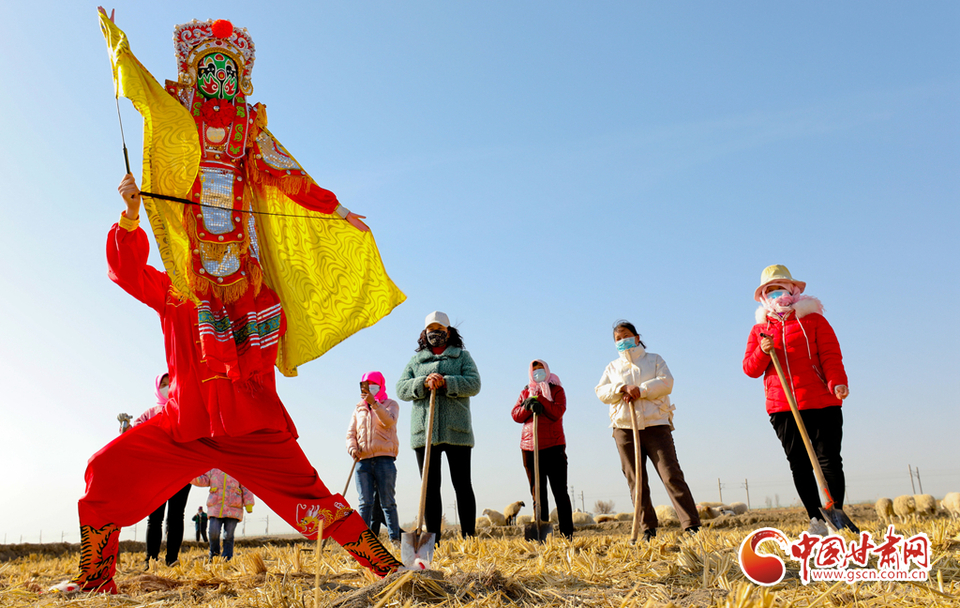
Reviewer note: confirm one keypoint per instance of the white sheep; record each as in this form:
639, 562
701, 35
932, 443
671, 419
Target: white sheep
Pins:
884, 508
524, 520
738, 508
554, 518
624, 516
605, 517
666, 514
496, 517
925, 505
579, 517
483, 522
713, 505
904, 506
951, 504
510, 513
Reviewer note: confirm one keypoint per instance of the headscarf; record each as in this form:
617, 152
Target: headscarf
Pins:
377, 378
542, 388
161, 400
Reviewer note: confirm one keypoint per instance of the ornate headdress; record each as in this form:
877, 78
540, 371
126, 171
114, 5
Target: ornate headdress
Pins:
197, 39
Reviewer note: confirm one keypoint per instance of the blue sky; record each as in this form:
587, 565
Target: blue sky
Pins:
537, 170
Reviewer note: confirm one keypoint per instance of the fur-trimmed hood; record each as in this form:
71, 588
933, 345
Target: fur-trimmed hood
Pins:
802, 307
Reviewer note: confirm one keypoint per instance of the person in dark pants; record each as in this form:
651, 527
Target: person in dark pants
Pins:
809, 352
441, 364
200, 522
544, 397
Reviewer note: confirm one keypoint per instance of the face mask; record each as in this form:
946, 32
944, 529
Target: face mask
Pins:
373, 389
773, 295
164, 390
626, 344
539, 375
436, 338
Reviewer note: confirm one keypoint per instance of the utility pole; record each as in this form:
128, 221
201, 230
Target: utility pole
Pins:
41, 537
919, 483
134, 532
912, 487
720, 489
573, 497
746, 486
456, 514
582, 508
266, 531
62, 534
243, 531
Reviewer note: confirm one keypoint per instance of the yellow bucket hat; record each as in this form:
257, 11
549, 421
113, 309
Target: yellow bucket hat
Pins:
777, 273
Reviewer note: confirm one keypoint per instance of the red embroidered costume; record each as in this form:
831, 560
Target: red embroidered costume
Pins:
221, 304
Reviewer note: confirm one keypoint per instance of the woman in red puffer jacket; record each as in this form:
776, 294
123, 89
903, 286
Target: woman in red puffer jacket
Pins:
809, 353
544, 396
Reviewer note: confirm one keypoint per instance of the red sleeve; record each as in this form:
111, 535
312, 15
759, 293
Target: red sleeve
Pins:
828, 350
755, 361
519, 414
554, 409
316, 198
127, 253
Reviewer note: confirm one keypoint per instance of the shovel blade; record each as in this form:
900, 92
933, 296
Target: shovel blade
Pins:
416, 549
537, 531
838, 519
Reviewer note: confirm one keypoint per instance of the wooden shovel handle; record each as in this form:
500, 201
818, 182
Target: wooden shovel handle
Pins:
536, 472
635, 532
426, 461
803, 429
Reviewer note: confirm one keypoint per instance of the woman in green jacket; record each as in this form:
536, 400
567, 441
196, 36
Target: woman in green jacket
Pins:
442, 364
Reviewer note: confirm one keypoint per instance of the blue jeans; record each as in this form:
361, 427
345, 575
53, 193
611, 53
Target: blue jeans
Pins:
379, 474
229, 525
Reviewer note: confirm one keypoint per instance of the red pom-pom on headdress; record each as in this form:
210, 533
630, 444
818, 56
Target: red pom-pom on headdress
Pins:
222, 28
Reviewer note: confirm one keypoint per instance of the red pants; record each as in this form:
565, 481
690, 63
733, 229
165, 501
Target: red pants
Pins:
136, 472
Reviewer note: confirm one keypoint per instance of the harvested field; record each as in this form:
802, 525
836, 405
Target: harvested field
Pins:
599, 568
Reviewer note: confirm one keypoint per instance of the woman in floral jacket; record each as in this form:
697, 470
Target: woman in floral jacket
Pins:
225, 505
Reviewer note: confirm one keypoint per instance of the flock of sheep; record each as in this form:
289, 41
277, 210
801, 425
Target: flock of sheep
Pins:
665, 513
918, 505
903, 507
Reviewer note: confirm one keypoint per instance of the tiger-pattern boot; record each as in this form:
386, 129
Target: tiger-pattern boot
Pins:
365, 547
99, 548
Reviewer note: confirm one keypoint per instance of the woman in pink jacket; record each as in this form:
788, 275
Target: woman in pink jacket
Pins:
794, 325
372, 441
225, 504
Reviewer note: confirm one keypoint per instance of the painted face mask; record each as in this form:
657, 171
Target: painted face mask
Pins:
373, 389
539, 375
626, 344
217, 77
436, 338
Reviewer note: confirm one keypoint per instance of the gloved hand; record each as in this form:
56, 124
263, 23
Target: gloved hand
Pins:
532, 404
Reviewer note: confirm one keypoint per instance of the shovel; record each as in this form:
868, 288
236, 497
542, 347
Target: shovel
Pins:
538, 529
323, 543
635, 531
835, 517
416, 548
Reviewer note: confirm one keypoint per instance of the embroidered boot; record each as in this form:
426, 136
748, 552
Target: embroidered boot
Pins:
98, 561
370, 552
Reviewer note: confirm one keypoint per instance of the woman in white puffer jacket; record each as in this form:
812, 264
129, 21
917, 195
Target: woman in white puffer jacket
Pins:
641, 380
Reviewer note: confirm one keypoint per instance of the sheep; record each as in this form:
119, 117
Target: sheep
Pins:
524, 520
581, 518
713, 505
496, 517
666, 513
738, 508
605, 517
951, 504
510, 513
925, 504
624, 516
554, 518
483, 522
706, 512
903, 506
884, 508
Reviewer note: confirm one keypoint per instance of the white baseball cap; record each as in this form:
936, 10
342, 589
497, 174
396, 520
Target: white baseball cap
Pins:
437, 317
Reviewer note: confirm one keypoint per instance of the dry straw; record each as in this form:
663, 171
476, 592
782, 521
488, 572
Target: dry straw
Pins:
598, 568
